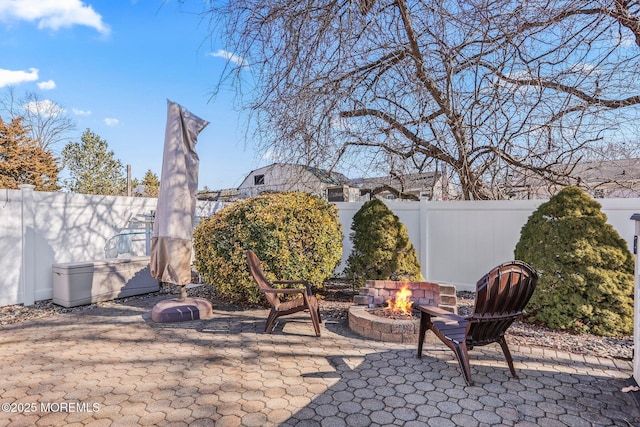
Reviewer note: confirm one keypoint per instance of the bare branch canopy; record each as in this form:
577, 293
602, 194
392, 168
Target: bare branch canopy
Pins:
490, 93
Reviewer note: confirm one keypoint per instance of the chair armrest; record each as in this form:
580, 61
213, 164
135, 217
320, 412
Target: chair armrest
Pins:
436, 311
295, 282
284, 291
290, 282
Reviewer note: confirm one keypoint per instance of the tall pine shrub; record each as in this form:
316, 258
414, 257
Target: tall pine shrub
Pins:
381, 247
586, 271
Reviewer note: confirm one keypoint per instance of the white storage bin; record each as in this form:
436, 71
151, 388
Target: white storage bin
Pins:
79, 283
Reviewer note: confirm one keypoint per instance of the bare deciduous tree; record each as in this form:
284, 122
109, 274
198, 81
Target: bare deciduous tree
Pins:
489, 92
48, 123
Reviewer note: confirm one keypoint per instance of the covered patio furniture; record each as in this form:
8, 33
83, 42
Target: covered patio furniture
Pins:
304, 300
501, 296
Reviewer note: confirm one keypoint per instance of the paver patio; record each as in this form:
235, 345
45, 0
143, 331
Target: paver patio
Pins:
114, 366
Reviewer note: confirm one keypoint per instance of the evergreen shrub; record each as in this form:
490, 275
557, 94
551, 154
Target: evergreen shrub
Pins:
586, 271
296, 236
381, 247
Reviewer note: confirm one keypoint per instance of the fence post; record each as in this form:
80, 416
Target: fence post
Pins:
636, 301
424, 242
28, 274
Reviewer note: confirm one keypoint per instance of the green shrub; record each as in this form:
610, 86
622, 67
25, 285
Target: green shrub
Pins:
296, 236
587, 279
381, 247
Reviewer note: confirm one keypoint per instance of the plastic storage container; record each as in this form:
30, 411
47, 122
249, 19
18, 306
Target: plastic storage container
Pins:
80, 283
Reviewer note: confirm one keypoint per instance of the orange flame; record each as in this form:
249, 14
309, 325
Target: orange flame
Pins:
401, 304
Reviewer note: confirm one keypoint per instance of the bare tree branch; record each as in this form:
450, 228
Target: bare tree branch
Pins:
486, 91
47, 123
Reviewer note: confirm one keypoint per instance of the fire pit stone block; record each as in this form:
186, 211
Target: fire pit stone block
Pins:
377, 292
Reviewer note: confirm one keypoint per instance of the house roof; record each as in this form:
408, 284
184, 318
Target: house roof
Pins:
607, 171
327, 177
408, 182
324, 176
592, 174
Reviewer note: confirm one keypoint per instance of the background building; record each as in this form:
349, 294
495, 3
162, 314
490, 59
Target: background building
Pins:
604, 179
289, 177
334, 186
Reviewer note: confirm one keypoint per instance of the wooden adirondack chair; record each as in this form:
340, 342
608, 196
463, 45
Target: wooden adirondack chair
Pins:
501, 296
306, 300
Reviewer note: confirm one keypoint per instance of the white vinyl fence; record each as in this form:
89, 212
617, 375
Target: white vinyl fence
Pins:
456, 242
39, 229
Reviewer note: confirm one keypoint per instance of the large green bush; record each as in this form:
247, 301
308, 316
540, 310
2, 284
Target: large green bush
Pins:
296, 236
381, 247
586, 281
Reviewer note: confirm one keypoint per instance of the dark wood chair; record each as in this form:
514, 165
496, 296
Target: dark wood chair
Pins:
501, 296
305, 301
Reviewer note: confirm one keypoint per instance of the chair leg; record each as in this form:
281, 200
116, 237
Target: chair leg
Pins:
314, 311
507, 355
273, 315
424, 325
316, 322
460, 350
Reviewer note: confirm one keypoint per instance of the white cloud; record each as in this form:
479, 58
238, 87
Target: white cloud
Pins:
628, 41
12, 77
79, 112
52, 14
45, 108
271, 156
583, 68
48, 85
238, 60
110, 121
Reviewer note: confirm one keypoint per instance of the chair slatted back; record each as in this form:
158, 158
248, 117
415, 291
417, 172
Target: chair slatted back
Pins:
255, 268
501, 296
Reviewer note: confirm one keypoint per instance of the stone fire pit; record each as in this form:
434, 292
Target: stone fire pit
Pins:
402, 329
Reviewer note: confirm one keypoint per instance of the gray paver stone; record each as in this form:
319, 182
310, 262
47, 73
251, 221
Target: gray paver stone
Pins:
449, 407
551, 408
382, 417
491, 401
488, 417
509, 413
255, 419
415, 398
531, 396
465, 420
440, 422
372, 404
530, 410
574, 421
394, 402
327, 410
364, 393
333, 422
429, 411
405, 414
350, 407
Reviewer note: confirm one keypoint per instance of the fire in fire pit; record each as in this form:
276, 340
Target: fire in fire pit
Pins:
369, 318
401, 304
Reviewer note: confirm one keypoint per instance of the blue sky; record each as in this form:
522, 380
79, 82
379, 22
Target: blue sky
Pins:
112, 64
